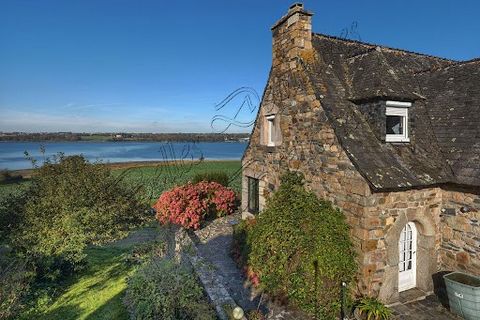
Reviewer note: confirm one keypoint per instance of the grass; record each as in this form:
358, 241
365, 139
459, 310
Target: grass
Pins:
96, 292
155, 179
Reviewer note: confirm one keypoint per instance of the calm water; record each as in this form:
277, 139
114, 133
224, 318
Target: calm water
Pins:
12, 153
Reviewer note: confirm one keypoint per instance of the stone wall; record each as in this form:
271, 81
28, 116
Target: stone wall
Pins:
387, 215
460, 230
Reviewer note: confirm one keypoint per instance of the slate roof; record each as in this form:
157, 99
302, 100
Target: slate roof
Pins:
445, 146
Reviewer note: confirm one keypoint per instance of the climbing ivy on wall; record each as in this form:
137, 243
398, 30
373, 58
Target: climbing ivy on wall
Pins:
301, 249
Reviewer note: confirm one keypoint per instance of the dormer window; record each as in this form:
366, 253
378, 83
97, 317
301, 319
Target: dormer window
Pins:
270, 130
397, 121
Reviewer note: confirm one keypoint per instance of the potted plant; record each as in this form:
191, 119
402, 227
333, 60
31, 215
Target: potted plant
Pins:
370, 308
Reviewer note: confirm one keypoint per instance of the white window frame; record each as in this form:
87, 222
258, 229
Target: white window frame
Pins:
398, 108
270, 130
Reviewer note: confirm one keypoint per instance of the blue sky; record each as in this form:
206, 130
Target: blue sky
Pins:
158, 66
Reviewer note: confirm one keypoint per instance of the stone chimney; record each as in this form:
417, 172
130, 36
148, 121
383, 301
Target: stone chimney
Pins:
292, 34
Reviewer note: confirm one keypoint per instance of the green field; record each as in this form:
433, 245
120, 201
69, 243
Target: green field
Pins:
153, 180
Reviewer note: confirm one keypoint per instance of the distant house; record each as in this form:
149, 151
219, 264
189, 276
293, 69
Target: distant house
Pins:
391, 137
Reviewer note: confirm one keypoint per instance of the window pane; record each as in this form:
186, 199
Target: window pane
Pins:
271, 127
253, 195
394, 125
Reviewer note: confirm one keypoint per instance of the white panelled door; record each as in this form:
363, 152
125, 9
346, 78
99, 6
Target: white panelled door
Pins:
407, 267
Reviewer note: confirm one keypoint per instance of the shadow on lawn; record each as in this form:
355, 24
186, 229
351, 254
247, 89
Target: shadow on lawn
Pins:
111, 309
71, 311
105, 271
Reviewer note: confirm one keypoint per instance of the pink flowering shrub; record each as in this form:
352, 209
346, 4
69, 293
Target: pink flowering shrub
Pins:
190, 204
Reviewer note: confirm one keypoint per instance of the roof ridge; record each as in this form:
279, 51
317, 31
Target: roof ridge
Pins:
383, 47
457, 64
467, 61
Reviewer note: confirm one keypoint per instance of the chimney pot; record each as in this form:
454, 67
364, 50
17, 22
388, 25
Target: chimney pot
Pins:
296, 5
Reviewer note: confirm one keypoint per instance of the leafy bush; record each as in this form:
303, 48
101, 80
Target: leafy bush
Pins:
167, 291
373, 309
70, 203
190, 204
11, 213
212, 176
15, 279
301, 249
241, 249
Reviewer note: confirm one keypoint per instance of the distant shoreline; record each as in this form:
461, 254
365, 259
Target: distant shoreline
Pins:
122, 137
27, 173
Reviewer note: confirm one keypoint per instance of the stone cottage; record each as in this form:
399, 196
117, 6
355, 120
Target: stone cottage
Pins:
389, 136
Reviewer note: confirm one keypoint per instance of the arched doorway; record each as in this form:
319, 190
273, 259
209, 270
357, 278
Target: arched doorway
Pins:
407, 265
422, 226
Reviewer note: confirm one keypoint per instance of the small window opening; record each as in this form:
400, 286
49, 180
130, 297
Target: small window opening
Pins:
270, 130
397, 121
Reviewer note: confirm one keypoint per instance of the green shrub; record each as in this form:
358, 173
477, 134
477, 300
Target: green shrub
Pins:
240, 247
212, 176
70, 204
373, 309
164, 290
15, 280
11, 213
301, 249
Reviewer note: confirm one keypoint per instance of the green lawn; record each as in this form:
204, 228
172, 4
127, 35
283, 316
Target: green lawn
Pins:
96, 292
